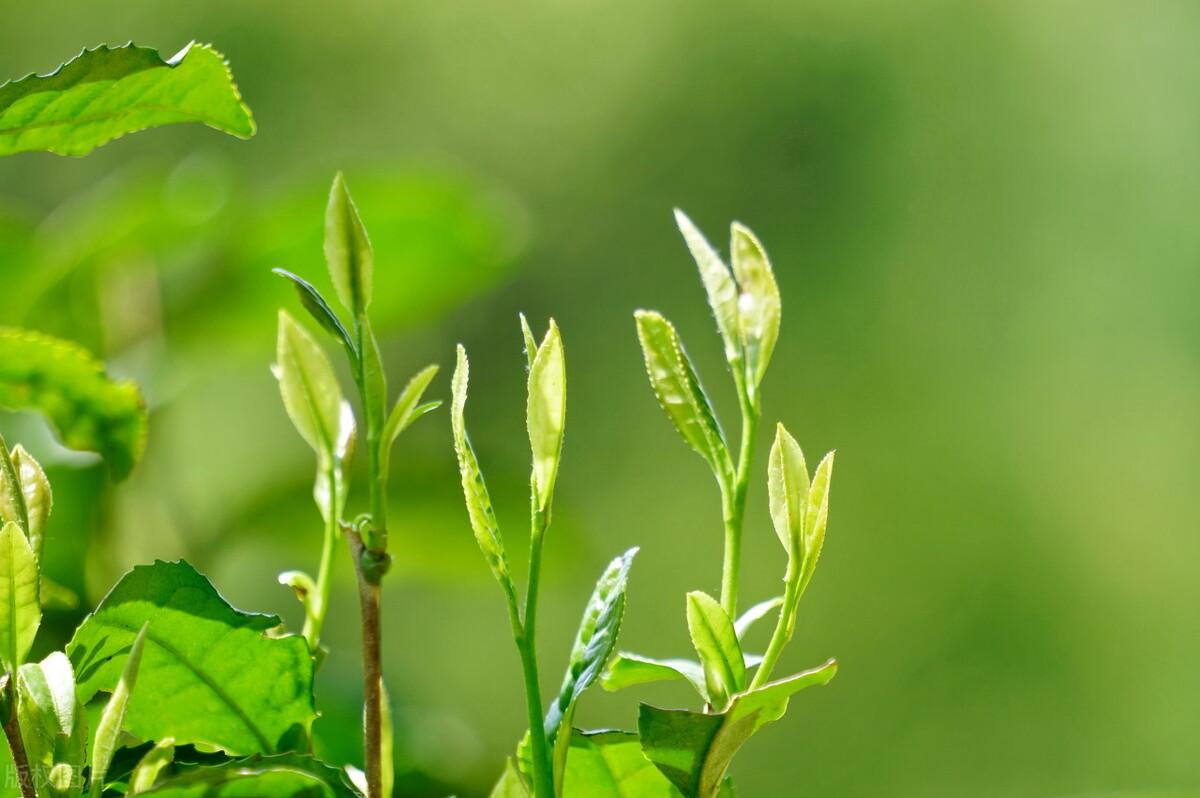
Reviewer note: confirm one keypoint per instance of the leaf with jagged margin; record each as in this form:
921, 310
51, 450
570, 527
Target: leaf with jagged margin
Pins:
32, 494
546, 413
53, 725
105, 93
210, 673
787, 490
69, 386
594, 643
20, 610
717, 644
679, 392
718, 284
348, 252
479, 503
694, 749
817, 518
148, 769
282, 776
759, 305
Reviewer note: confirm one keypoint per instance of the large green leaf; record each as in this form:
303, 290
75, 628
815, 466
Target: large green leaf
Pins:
20, 612
694, 749
610, 764
209, 675
104, 93
546, 412
285, 776
68, 385
53, 725
679, 392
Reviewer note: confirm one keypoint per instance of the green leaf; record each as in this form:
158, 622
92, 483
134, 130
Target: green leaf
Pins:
105, 93
408, 408
531, 346
309, 386
610, 764
53, 725
66, 384
112, 719
756, 614
479, 503
29, 502
627, 670
759, 304
547, 413
817, 518
718, 283
151, 766
510, 785
319, 309
348, 249
716, 642
694, 750
57, 597
594, 642
284, 776
787, 488
210, 674
679, 392
20, 611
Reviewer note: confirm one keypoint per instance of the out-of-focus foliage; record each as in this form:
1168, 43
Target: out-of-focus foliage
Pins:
981, 221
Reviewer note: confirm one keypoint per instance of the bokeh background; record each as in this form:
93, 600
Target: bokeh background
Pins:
982, 217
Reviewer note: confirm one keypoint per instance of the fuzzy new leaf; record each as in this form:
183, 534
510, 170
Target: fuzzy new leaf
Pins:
759, 305
53, 725
64, 382
787, 489
348, 249
105, 93
679, 392
479, 503
546, 413
716, 642
309, 387
20, 611
817, 517
718, 283
112, 718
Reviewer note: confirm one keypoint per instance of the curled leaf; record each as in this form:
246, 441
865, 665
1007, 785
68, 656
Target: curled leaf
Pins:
64, 382
546, 413
716, 642
319, 309
408, 408
817, 517
759, 305
150, 766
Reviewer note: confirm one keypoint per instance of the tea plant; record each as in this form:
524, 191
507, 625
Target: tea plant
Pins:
694, 749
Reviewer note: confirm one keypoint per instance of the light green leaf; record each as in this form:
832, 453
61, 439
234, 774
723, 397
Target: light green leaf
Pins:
787, 488
150, 767
303, 585
105, 93
679, 392
694, 749
319, 309
627, 670
35, 496
348, 249
112, 719
309, 386
755, 614
511, 784
531, 346
479, 503
594, 642
57, 597
718, 283
20, 611
283, 776
610, 764
408, 408
66, 384
210, 674
716, 642
817, 518
759, 305
53, 725
547, 412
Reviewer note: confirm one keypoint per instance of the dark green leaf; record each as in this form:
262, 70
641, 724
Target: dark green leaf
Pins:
69, 386
679, 392
319, 309
694, 749
20, 611
285, 776
210, 675
105, 93
348, 249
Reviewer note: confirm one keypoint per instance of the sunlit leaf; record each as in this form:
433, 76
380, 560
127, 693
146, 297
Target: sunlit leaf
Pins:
408, 407
283, 776
20, 611
151, 766
309, 387
511, 783
53, 724
787, 489
112, 718
65, 383
348, 249
105, 93
717, 643
759, 305
210, 673
531, 346
694, 749
755, 614
627, 670
679, 392
30, 501
817, 518
718, 283
547, 412
610, 764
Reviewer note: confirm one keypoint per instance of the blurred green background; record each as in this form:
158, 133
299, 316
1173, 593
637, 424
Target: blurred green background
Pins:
982, 217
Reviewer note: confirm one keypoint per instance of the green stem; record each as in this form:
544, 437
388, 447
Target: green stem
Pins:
16, 744
784, 626
543, 768
315, 620
734, 507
